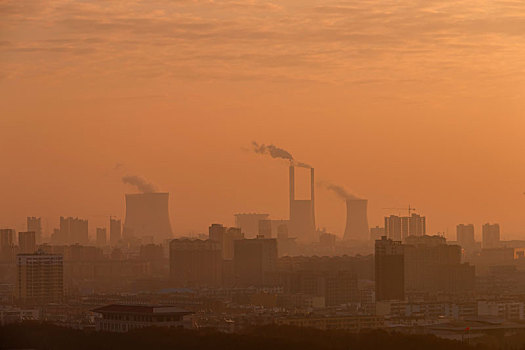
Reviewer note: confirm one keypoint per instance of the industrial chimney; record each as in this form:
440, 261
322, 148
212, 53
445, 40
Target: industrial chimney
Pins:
147, 215
356, 220
302, 211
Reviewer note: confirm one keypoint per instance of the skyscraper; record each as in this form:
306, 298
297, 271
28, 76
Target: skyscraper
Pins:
34, 224
249, 223
7, 238
490, 235
74, 230
115, 231
225, 238
39, 278
399, 228
465, 235
254, 261
389, 270
7, 244
195, 263
101, 236
376, 233
27, 242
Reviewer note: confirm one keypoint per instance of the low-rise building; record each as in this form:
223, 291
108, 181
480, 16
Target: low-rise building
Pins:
123, 318
345, 322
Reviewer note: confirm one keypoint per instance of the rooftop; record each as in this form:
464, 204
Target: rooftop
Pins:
141, 309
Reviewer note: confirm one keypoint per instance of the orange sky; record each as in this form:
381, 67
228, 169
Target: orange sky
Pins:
399, 101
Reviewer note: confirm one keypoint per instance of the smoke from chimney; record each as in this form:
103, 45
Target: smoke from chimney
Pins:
141, 184
277, 152
339, 190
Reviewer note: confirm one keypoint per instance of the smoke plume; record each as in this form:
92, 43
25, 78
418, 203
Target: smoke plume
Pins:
339, 190
141, 184
277, 152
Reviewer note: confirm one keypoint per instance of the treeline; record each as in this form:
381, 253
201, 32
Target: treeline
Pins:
46, 336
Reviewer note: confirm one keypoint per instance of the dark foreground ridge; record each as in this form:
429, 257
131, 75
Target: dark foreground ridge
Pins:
46, 336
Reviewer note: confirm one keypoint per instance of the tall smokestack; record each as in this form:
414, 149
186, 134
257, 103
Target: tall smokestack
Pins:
312, 192
292, 187
356, 219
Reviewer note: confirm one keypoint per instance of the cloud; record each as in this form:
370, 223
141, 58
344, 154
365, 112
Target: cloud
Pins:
349, 42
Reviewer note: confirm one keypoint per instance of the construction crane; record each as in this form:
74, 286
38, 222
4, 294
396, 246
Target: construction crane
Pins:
410, 209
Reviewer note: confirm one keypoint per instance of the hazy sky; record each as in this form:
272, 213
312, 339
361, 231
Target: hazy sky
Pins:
401, 102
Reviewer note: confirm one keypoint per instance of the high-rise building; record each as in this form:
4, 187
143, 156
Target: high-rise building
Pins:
101, 236
216, 233
399, 228
115, 231
265, 228
254, 261
393, 228
389, 270
225, 237
376, 233
7, 244
249, 223
416, 225
39, 278
7, 238
490, 236
465, 235
432, 265
74, 230
34, 224
195, 263
27, 242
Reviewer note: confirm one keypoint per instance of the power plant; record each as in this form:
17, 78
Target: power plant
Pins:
302, 212
356, 219
147, 216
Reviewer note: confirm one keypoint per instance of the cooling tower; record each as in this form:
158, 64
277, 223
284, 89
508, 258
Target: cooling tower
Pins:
302, 212
356, 220
147, 216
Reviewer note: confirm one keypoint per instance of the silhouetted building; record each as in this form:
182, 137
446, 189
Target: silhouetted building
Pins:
27, 242
7, 238
147, 215
115, 231
302, 212
377, 232
465, 235
225, 237
73, 230
433, 266
356, 219
399, 228
265, 228
101, 236
255, 261
7, 244
34, 224
336, 287
123, 318
327, 240
490, 236
249, 223
39, 278
195, 263
389, 270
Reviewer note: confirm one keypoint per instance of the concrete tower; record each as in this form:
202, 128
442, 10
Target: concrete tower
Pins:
302, 212
356, 220
147, 215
